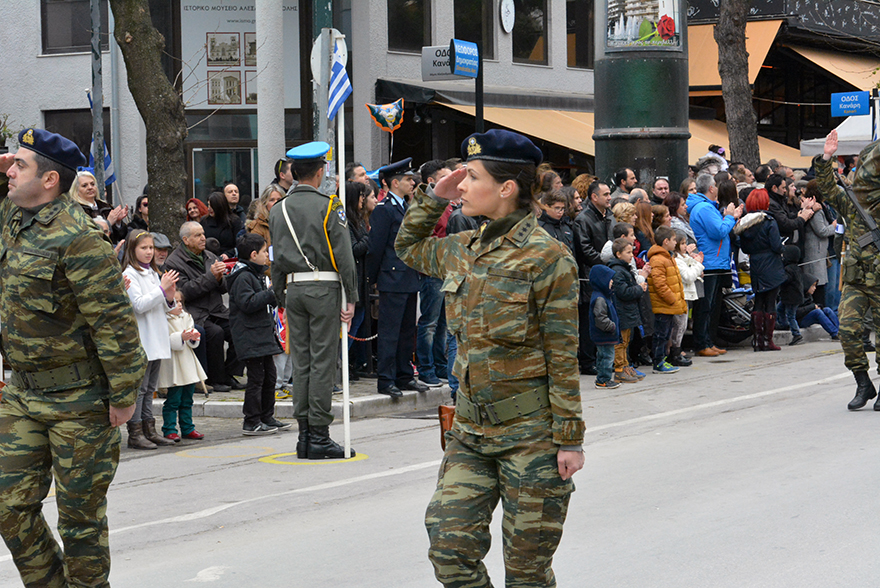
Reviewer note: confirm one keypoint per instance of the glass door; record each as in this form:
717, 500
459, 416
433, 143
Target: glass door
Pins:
213, 168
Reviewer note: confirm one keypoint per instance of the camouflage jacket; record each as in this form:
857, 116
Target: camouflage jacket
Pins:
860, 266
511, 302
62, 299
322, 230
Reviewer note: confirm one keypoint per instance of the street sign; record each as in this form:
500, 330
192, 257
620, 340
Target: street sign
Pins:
464, 58
850, 104
435, 64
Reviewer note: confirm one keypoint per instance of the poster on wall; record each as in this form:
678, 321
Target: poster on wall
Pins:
643, 24
219, 51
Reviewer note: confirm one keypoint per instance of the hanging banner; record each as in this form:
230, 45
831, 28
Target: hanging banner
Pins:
219, 50
643, 24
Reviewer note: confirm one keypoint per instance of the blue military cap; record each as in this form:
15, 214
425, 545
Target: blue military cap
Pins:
398, 168
313, 150
53, 146
501, 145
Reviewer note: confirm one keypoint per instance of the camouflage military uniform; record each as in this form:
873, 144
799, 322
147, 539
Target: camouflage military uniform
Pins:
511, 294
860, 270
70, 337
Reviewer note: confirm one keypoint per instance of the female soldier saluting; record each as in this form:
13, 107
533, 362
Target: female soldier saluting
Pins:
511, 294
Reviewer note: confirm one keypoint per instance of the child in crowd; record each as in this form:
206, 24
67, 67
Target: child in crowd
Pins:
180, 374
553, 219
667, 294
791, 293
809, 313
151, 297
253, 333
604, 330
690, 267
627, 292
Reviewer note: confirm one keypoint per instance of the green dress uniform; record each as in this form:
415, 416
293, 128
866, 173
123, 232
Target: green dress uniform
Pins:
511, 302
314, 280
70, 337
860, 269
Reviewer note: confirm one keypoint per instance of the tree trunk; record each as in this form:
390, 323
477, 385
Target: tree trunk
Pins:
733, 66
161, 108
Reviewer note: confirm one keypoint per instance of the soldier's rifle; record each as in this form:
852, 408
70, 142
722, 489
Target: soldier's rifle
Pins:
873, 234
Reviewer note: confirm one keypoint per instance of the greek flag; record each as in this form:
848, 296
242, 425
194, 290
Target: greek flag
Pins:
109, 172
340, 85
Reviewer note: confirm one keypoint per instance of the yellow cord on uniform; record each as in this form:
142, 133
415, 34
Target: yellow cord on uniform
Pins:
326, 234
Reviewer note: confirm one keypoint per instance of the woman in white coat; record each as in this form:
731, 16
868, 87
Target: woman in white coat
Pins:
818, 231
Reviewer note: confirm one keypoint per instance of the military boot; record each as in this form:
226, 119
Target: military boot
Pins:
302, 442
149, 427
136, 439
864, 391
321, 446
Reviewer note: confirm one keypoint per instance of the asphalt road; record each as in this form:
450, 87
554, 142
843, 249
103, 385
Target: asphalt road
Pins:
742, 471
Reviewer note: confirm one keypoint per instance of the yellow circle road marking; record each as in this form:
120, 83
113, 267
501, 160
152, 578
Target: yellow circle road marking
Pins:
189, 453
276, 460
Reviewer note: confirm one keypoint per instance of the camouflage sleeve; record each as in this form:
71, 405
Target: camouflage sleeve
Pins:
833, 193
556, 290
414, 244
93, 273
340, 240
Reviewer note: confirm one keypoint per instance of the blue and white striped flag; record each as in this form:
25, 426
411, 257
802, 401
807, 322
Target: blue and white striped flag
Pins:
109, 171
340, 85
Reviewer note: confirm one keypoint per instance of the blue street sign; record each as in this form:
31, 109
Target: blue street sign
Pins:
464, 58
850, 104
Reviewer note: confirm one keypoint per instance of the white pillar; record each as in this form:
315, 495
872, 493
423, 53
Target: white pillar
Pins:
270, 88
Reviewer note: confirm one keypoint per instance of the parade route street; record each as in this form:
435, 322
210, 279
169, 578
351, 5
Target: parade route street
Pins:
744, 470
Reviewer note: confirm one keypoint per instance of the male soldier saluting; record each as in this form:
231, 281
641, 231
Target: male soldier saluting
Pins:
313, 260
70, 337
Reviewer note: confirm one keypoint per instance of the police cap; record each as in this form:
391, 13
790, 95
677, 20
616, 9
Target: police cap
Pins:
398, 168
314, 150
51, 145
501, 145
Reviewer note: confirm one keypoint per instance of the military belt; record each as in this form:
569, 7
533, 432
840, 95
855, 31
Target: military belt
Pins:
313, 277
61, 378
496, 413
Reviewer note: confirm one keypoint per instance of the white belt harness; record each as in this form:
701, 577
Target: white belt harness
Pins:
315, 275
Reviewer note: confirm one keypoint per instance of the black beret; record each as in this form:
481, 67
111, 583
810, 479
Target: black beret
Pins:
501, 145
53, 146
398, 168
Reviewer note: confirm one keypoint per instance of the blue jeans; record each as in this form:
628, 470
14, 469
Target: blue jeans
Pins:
431, 338
822, 316
604, 363
452, 345
356, 321
832, 288
662, 329
791, 317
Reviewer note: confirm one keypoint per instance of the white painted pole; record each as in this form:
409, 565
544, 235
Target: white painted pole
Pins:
270, 91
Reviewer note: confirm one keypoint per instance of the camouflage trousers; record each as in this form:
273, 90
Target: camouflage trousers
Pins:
855, 302
69, 434
476, 471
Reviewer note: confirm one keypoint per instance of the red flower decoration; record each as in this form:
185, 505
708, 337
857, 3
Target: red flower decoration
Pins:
666, 27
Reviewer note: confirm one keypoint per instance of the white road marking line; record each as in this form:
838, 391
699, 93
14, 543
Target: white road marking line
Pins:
211, 574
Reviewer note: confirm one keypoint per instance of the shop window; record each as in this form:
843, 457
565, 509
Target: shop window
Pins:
580, 33
530, 32
76, 125
474, 22
67, 26
409, 25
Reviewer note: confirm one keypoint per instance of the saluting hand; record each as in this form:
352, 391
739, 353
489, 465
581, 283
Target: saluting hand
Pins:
830, 145
447, 188
6, 162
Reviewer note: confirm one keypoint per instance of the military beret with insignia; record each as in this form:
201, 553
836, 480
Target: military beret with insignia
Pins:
51, 145
313, 150
398, 168
501, 145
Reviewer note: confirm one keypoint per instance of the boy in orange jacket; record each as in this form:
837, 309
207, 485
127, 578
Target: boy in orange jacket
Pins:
667, 294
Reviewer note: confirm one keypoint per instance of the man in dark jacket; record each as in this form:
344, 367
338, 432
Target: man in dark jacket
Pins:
592, 229
203, 283
789, 219
553, 219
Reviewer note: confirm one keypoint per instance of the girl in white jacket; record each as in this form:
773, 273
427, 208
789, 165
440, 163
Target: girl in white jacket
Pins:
180, 374
151, 297
691, 269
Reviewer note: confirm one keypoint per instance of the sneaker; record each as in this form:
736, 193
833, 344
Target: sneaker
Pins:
634, 372
624, 377
259, 429
665, 368
609, 385
431, 381
273, 422
797, 340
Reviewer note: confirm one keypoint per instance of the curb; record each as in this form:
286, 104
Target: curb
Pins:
369, 405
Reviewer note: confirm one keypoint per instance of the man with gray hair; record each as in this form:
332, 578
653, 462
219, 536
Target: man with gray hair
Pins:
638, 195
202, 282
712, 229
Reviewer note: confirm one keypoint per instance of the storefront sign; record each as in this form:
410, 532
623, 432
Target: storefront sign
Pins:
464, 58
219, 52
850, 104
435, 64
643, 25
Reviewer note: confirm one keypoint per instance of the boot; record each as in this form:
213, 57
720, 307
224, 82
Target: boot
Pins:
676, 357
136, 439
302, 442
758, 343
321, 446
149, 428
769, 325
864, 391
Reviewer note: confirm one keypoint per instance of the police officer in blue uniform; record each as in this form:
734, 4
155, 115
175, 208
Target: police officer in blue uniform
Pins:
398, 285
